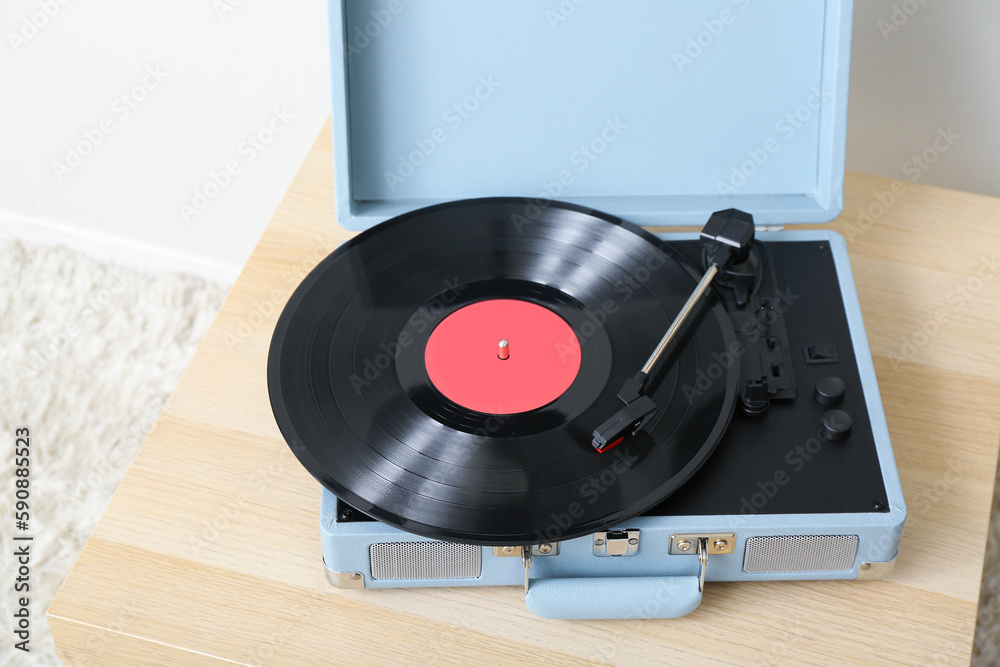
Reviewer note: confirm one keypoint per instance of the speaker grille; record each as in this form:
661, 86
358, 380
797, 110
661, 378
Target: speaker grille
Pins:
425, 560
800, 553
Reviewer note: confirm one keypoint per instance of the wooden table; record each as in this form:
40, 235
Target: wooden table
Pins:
209, 552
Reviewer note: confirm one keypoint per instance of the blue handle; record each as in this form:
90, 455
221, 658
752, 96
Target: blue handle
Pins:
614, 597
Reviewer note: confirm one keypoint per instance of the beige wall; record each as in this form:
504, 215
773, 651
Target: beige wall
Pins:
918, 68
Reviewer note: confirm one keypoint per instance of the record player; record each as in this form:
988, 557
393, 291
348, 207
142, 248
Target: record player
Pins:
507, 380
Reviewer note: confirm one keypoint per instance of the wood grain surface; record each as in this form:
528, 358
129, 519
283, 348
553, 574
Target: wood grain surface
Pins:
209, 552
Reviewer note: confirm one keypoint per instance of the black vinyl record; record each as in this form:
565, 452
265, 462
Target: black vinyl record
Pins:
351, 394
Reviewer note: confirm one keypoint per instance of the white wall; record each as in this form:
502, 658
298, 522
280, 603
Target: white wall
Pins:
920, 66
229, 64
223, 68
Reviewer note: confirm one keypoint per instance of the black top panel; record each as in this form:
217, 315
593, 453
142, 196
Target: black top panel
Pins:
782, 462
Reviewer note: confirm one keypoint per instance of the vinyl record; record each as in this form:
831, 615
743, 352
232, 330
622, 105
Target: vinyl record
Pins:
387, 378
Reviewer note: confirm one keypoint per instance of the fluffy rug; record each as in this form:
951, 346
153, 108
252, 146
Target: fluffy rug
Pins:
89, 354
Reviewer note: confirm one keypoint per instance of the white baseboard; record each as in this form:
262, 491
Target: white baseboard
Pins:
109, 247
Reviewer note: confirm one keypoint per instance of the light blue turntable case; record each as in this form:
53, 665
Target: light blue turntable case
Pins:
658, 111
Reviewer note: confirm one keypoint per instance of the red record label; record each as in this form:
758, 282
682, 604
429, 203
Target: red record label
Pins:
502, 356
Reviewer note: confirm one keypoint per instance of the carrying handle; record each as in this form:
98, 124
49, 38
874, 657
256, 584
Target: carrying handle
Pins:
614, 597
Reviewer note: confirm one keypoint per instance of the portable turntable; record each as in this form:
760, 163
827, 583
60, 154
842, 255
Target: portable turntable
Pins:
495, 387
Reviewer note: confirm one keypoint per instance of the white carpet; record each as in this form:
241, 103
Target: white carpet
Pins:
89, 353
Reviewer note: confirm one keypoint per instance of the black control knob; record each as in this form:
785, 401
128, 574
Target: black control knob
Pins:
830, 391
836, 425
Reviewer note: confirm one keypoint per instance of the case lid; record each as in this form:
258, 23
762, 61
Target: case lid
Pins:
658, 111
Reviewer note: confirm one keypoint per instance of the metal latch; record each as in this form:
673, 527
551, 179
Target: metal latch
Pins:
702, 544
526, 562
544, 549
525, 554
616, 543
